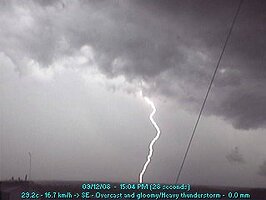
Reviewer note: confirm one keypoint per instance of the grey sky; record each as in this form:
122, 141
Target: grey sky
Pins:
70, 76
262, 170
235, 157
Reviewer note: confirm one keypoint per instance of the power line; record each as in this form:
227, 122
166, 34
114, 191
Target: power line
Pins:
208, 90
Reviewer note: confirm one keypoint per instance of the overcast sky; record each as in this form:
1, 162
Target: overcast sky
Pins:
70, 76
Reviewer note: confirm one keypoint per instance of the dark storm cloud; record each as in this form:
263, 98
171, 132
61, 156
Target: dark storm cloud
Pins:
243, 104
262, 169
172, 45
49, 2
235, 157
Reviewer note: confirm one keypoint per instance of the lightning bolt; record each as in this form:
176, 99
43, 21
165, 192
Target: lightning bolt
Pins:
154, 139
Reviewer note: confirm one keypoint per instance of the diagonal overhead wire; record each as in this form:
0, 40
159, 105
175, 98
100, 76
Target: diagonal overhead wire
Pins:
208, 90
